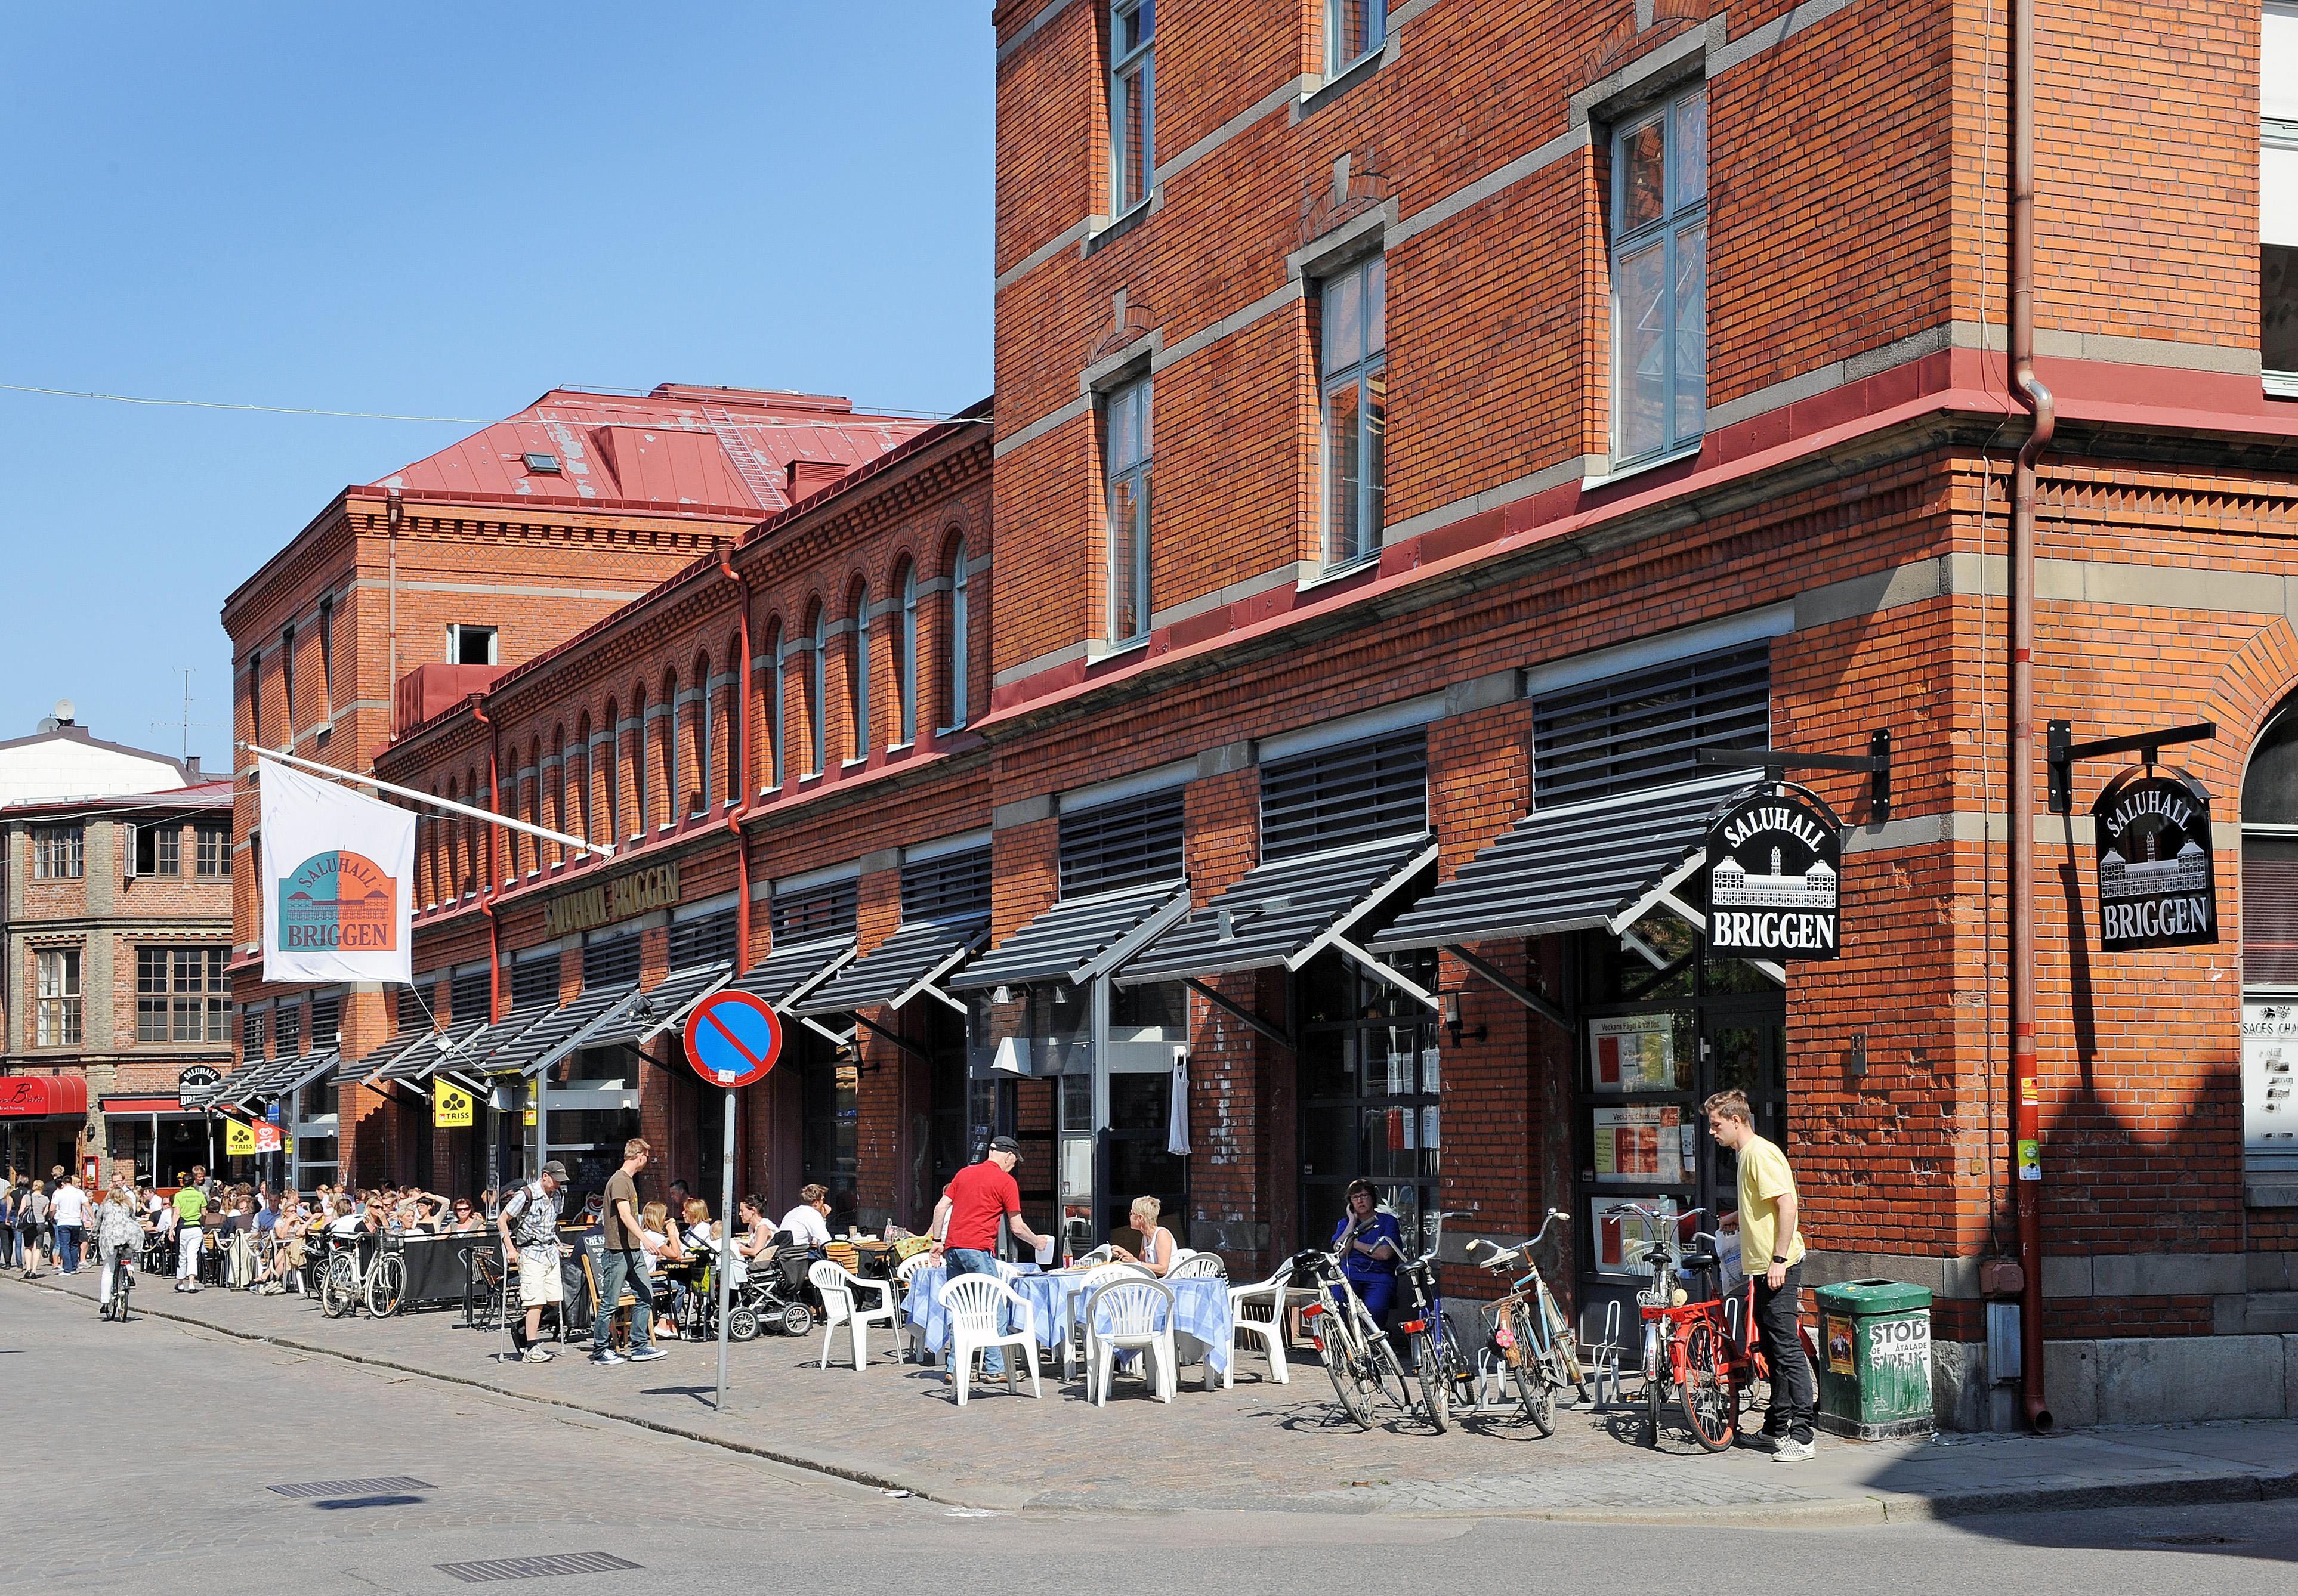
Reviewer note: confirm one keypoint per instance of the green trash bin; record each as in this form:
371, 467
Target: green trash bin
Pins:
1874, 1358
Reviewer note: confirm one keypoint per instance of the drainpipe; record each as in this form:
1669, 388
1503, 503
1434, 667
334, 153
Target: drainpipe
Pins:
494, 874
2026, 1116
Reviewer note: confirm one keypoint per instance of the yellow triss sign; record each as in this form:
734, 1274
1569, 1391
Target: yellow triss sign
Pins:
238, 1137
451, 1105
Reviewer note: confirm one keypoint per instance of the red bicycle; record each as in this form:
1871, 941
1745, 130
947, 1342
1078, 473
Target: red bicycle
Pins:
1689, 1355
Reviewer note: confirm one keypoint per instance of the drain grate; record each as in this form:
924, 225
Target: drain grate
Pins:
535, 1567
392, 1485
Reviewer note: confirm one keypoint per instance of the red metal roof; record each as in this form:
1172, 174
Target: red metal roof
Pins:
43, 1097
724, 448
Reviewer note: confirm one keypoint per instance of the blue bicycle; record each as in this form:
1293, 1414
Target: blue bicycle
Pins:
1444, 1362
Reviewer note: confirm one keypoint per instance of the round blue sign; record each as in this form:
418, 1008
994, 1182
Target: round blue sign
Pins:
733, 1039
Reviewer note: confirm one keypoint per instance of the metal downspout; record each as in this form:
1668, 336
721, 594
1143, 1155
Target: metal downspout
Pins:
2026, 1116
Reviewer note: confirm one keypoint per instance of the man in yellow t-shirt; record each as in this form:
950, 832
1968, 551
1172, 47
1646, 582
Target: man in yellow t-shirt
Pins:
1771, 1252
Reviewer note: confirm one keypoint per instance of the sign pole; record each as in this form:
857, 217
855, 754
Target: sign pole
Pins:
726, 1249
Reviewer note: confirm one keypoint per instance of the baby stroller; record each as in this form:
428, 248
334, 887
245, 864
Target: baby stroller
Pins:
769, 1296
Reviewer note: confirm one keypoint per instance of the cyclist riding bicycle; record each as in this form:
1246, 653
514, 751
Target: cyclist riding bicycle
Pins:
119, 1238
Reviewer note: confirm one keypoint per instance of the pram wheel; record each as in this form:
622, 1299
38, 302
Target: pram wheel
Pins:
742, 1322
797, 1319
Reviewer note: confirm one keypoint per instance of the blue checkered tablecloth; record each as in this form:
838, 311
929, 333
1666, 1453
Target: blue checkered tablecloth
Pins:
1201, 1315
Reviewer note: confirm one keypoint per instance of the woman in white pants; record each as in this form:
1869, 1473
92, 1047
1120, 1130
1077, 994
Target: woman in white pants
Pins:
188, 1237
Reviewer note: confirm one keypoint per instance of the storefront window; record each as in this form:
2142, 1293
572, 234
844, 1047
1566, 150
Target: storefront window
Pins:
2270, 953
1370, 1094
829, 1120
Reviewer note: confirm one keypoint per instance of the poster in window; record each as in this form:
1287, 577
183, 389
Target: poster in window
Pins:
1428, 1138
1428, 1076
1632, 1052
1642, 1143
2270, 1086
1620, 1236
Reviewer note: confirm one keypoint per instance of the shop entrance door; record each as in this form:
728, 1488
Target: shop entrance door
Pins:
1368, 1096
1663, 1028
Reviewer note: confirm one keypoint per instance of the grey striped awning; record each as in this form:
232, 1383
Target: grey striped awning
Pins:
1079, 938
420, 1056
1284, 912
475, 1052
560, 1033
898, 968
1581, 866
308, 1068
788, 975
661, 1007
248, 1082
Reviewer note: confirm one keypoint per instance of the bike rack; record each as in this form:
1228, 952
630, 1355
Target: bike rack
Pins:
1604, 1359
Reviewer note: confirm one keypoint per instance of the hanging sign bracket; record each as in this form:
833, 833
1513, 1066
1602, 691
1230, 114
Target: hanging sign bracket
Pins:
1775, 763
2063, 751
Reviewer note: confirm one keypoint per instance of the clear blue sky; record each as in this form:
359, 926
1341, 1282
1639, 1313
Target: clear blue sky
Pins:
435, 210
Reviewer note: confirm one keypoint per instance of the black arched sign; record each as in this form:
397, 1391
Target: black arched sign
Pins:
2157, 880
1774, 876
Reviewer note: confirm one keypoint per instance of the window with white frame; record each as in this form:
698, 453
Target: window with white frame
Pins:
1353, 29
58, 854
858, 675
2277, 198
1132, 103
817, 693
905, 656
1126, 464
470, 645
959, 623
1660, 278
55, 990
1353, 339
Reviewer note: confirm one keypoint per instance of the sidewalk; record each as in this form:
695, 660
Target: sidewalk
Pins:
1260, 1446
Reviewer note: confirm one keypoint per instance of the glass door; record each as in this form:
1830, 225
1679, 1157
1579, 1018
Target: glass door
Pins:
1369, 1099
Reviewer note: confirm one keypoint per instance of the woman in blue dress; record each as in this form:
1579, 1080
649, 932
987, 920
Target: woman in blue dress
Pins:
1369, 1243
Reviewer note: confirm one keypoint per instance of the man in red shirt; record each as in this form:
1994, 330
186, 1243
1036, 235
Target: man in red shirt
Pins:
966, 1233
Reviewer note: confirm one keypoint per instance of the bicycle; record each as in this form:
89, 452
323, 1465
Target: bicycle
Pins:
1448, 1378
342, 1282
1687, 1345
123, 1274
1356, 1352
1536, 1342
386, 1285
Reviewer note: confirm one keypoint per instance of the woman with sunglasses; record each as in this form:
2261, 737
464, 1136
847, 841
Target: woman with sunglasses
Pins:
464, 1221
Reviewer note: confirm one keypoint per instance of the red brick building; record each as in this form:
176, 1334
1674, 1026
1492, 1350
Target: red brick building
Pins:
1421, 431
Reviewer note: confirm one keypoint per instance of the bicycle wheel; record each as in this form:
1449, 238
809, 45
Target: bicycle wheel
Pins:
1711, 1402
1565, 1349
1531, 1387
339, 1289
1654, 1390
1435, 1380
1340, 1362
386, 1284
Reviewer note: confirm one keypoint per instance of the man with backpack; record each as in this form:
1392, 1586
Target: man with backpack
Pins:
529, 1226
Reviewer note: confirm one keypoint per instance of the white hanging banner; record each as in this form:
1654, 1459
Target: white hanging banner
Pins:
1177, 1124
338, 880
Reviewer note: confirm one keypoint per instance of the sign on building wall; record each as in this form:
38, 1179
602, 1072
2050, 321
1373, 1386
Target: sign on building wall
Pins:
1774, 867
338, 874
636, 893
2156, 884
450, 1106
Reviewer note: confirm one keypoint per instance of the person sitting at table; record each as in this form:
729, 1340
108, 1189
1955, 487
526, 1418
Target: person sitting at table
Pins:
756, 1239
658, 1240
465, 1220
1370, 1244
808, 1223
1157, 1243
701, 1234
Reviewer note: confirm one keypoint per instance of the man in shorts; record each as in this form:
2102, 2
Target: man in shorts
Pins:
529, 1223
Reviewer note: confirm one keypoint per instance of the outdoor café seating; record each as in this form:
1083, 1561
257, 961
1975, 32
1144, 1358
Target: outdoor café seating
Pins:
841, 1305
977, 1306
1204, 1325
1258, 1311
1132, 1315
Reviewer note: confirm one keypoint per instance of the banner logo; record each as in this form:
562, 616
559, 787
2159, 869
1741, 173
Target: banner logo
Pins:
2156, 884
339, 900
1774, 878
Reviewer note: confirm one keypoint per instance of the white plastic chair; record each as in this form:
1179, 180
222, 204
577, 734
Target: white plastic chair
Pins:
1189, 1266
1131, 1315
1262, 1297
1073, 1335
975, 1303
839, 1307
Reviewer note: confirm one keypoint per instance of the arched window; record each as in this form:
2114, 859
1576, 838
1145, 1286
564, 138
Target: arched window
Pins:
432, 854
960, 627
669, 764
735, 723
905, 655
586, 799
699, 720
817, 692
534, 816
775, 686
610, 788
467, 873
641, 808
858, 673
562, 792
2269, 861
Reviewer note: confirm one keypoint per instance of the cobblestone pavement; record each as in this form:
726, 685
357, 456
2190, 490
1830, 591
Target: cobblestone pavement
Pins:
1259, 1446
140, 1458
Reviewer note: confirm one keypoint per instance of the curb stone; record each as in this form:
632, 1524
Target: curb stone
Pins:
2227, 1485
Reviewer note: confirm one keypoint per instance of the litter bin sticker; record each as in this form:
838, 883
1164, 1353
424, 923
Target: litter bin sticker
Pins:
1838, 1345
1901, 1344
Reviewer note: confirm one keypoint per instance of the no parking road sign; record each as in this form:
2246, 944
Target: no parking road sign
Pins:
733, 1039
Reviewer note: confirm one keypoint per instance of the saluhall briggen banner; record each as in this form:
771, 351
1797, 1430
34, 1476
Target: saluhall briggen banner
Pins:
338, 882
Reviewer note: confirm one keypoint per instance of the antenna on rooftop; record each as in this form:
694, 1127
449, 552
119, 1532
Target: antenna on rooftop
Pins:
187, 724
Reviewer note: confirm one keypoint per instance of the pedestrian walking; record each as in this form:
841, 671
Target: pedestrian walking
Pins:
625, 1261
529, 1224
1771, 1253
68, 1215
191, 1207
32, 1228
9, 1198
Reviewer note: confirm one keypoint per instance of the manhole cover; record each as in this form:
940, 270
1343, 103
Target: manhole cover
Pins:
392, 1485
535, 1567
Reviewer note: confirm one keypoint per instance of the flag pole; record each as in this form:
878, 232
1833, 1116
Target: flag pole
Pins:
604, 850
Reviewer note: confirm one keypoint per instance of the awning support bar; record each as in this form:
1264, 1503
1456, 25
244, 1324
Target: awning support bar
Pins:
1523, 994
1236, 1012
903, 1042
813, 1024
1386, 972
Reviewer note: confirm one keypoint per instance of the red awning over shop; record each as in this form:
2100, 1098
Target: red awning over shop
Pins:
43, 1097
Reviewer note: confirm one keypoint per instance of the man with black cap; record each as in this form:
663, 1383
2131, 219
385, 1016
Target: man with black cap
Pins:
977, 1197
529, 1223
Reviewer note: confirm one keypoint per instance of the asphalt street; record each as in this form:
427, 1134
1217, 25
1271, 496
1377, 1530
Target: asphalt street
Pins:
155, 1456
